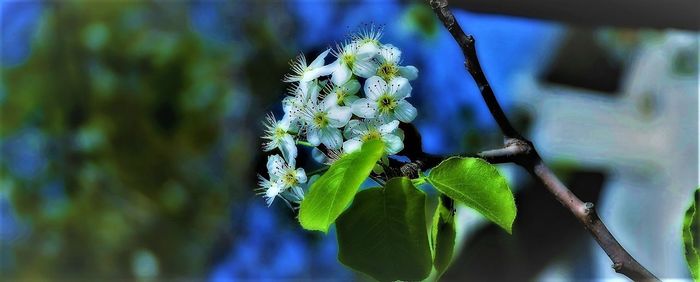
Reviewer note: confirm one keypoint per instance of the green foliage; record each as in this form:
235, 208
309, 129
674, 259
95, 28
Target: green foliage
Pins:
420, 19
334, 190
135, 113
477, 184
691, 237
443, 233
383, 233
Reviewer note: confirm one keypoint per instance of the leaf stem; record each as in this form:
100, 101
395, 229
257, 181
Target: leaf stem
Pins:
419, 181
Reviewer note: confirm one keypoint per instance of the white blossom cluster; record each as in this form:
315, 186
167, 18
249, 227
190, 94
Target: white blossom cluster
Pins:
324, 109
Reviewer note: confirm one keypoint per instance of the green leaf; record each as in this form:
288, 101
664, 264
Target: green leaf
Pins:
691, 239
334, 190
384, 234
477, 184
378, 169
443, 234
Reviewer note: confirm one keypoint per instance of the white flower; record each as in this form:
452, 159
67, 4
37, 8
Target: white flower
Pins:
386, 101
352, 60
294, 194
343, 94
387, 64
269, 189
285, 181
277, 134
284, 172
322, 121
302, 96
367, 40
359, 132
303, 73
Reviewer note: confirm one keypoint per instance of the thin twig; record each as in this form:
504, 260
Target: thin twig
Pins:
497, 156
377, 179
521, 151
466, 43
514, 150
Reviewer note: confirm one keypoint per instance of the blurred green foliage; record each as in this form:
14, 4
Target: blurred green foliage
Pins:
147, 127
419, 18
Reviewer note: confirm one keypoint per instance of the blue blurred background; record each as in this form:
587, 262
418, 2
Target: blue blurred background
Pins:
129, 136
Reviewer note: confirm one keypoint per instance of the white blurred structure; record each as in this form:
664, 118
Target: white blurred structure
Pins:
645, 138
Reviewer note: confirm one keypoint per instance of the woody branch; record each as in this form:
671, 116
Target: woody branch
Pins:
517, 149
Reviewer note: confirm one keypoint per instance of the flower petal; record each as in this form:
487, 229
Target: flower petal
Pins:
351, 87
405, 112
287, 105
315, 73
350, 99
365, 68
285, 123
393, 144
293, 123
302, 89
352, 145
409, 72
314, 89
296, 194
388, 127
341, 74
374, 87
364, 108
329, 102
351, 130
331, 137
307, 91
275, 166
390, 53
319, 61
399, 133
292, 107
385, 117
319, 156
400, 88
312, 136
288, 148
272, 192
339, 116
367, 51
301, 175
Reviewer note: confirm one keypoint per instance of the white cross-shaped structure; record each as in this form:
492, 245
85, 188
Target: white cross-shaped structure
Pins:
646, 138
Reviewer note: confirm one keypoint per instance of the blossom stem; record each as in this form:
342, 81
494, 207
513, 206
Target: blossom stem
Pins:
304, 143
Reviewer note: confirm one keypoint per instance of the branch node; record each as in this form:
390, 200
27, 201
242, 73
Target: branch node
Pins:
437, 4
524, 145
590, 216
617, 266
